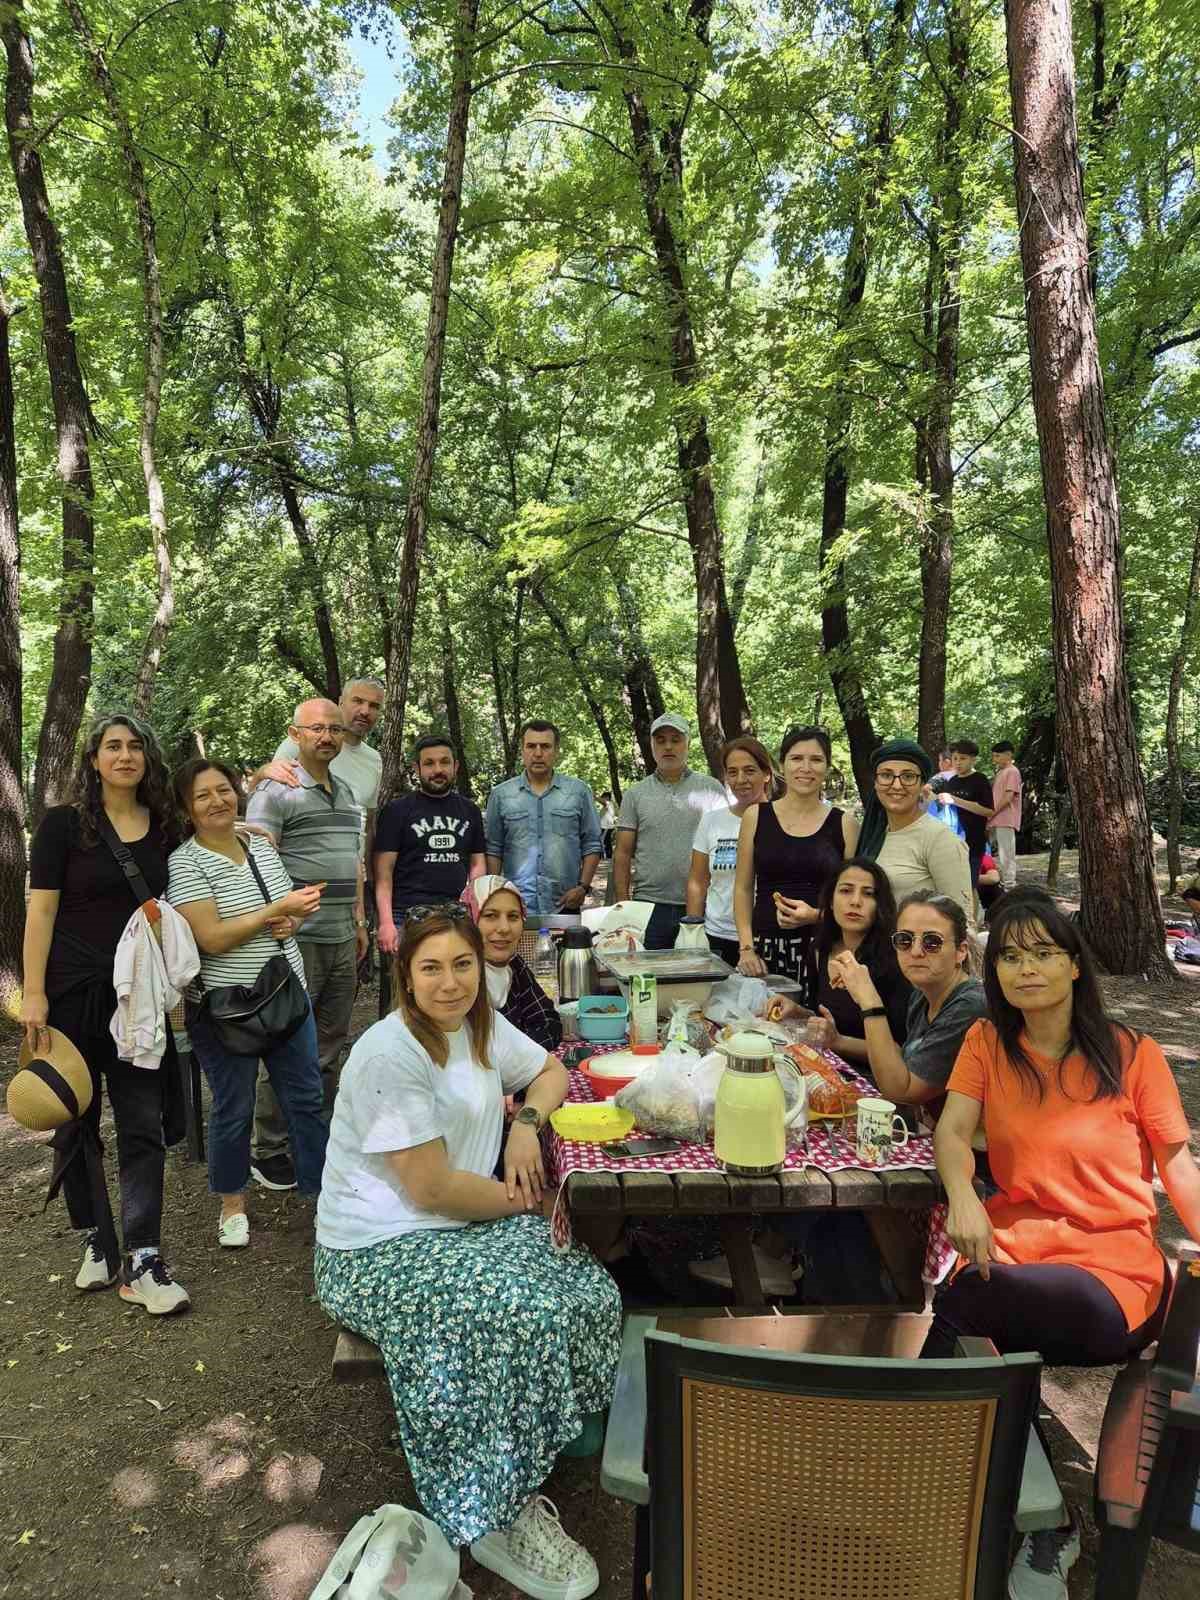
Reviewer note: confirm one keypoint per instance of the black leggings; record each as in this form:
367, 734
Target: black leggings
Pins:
1064, 1313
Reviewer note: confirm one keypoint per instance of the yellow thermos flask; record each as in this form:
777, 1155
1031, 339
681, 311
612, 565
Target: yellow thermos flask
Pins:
748, 1120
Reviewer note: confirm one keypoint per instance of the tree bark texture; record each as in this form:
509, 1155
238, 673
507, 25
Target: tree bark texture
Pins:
575, 656
749, 554
1120, 911
164, 610
835, 617
12, 793
416, 516
721, 704
71, 673
945, 250
454, 725
642, 687
1178, 667
370, 510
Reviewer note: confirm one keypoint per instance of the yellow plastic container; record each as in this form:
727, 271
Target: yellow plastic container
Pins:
592, 1123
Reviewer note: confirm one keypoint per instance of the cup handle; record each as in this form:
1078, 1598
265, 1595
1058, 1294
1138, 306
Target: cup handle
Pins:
900, 1138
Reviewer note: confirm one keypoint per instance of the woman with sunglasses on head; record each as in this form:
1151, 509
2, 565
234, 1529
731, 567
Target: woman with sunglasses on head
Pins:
79, 903
931, 943
749, 777
496, 1348
787, 848
497, 909
913, 848
1079, 1112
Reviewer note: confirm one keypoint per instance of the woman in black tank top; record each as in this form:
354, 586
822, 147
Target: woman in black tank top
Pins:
787, 851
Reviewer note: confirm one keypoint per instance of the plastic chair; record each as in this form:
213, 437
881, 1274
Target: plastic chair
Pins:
768, 1473
1148, 1465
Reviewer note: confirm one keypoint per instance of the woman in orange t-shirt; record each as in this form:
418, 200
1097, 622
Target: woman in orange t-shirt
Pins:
1078, 1111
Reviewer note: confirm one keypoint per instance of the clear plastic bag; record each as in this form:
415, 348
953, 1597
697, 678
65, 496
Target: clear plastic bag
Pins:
685, 1029
663, 1098
737, 997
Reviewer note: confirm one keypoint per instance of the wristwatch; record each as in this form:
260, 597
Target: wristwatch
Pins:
874, 1011
530, 1116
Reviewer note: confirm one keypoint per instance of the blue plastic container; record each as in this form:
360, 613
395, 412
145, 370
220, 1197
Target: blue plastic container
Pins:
603, 1018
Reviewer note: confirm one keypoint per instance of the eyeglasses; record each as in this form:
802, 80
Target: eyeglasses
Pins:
931, 943
906, 780
454, 909
321, 727
1041, 953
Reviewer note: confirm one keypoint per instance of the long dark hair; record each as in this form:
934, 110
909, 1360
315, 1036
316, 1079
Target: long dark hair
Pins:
153, 792
184, 781
876, 950
1028, 918
479, 1018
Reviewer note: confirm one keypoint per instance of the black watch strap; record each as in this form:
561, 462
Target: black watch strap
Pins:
874, 1011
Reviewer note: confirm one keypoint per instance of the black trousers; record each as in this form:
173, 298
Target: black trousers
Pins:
1064, 1313
136, 1097
663, 926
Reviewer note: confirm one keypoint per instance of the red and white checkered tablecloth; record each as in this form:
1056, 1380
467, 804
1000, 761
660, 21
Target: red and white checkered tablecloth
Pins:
820, 1149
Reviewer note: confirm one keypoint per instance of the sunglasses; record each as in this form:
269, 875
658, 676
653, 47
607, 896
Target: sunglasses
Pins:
931, 943
454, 909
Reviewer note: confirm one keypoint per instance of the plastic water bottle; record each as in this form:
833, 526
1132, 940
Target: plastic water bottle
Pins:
545, 963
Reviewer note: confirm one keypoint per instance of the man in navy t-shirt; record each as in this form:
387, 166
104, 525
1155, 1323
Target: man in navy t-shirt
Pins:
427, 843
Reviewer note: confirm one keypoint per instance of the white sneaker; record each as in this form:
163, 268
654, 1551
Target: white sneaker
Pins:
93, 1272
1043, 1561
538, 1556
153, 1287
233, 1232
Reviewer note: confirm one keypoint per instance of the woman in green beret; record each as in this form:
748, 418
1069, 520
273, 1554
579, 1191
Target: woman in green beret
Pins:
915, 850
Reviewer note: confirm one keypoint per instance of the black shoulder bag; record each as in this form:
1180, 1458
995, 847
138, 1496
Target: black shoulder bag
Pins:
252, 1018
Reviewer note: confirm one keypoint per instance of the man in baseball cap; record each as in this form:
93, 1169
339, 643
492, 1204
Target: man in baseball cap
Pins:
658, 821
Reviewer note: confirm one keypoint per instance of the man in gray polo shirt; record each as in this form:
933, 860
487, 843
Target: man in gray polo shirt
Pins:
316, 827
658, 821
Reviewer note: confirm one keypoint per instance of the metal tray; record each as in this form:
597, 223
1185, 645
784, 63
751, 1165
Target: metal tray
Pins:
668, 966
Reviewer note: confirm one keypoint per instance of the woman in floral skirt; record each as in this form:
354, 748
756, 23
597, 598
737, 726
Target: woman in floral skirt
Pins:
496, 1346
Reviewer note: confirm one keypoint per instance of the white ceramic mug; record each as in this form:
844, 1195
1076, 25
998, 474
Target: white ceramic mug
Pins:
880, 1126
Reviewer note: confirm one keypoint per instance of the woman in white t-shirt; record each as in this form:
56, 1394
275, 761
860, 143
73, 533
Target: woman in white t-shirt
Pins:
749, 776
497, 1348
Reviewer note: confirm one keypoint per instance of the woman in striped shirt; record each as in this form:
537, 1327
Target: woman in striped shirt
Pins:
238, 931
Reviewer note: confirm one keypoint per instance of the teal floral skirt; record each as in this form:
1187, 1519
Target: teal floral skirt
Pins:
496, 1348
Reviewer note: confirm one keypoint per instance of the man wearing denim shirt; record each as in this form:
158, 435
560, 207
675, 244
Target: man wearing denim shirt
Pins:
541, 829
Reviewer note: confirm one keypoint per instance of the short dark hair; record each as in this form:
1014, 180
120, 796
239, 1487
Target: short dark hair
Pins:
1002, 746
184, 781
945, 907
964, 747
807, 734
433, 741
750, 746
539, 725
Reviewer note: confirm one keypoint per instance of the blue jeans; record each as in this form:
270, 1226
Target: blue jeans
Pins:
296, 1079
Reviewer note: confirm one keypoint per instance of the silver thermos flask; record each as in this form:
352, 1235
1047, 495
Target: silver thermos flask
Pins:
576, 968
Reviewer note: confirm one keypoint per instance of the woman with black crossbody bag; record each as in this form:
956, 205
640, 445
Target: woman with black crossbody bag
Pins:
80, 901
250, 1002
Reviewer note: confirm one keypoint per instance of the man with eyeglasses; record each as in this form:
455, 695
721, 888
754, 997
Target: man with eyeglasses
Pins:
316, 826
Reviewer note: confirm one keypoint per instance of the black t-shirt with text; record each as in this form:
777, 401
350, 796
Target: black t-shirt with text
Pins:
974, 787
434, 838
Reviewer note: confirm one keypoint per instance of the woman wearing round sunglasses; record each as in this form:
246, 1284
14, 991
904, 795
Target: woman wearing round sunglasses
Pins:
496, 1348
931, 942
1079, 1111
914, 849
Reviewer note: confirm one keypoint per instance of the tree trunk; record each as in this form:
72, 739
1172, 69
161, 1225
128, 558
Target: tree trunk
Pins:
416, 515
573, 654
12, 794
1062, 812
835, 617
164, 609
946, 241
1178, 666
1120, 911
370, 510
720, 696
71, 674
454, 725
749, 555
641, 680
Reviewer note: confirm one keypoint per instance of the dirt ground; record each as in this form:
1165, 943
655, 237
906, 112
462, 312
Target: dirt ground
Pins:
210, 1455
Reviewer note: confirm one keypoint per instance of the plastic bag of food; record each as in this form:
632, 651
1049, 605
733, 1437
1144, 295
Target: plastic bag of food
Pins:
685, 1029
829, 1095
663, 1097
737, 997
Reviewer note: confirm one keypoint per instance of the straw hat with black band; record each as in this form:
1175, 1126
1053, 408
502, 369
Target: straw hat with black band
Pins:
52, 1086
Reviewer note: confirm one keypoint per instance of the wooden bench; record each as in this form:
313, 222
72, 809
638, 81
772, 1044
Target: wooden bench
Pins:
356, 1360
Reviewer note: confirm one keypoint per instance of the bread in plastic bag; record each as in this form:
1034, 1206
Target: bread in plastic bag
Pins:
663, 1097
737, 997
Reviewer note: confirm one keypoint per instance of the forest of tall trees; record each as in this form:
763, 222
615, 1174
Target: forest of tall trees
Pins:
812, 360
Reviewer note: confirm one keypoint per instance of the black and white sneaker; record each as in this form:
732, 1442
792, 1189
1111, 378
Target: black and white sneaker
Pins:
153, 1287
1043, 1561
93, 1272
274, 1172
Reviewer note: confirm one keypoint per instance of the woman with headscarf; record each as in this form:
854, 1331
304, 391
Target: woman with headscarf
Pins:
496, 908
913, 848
